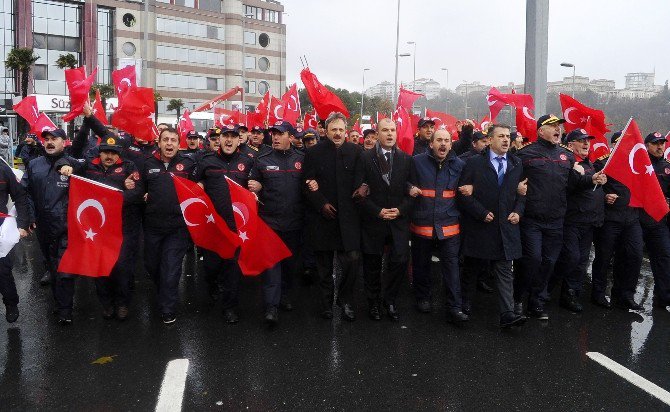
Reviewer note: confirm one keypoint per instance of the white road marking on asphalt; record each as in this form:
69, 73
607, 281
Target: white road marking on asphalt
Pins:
172, 388
632, 377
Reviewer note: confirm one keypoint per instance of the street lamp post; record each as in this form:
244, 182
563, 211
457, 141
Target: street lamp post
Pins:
446, 89
397, 39
363, 95
564, 64
414, 75
403, 55
466, 98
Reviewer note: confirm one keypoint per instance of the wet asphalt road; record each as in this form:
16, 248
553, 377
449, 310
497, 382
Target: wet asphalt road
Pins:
307, 363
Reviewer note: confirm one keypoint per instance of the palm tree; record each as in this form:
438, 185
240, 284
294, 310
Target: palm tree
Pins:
175, 104
106, 91
21, 60
67, 61
157, 98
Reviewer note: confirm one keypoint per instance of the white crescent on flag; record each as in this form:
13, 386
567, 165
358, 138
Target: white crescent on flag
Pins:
566, 115
527, 114
277, 116
90, 234
631, 158
185, 204
597, 145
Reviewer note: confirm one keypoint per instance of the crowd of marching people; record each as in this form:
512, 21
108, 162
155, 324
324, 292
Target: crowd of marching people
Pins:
489, 204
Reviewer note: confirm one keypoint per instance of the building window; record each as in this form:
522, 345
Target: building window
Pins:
105, 46
263, 64
212, 83
253, 12
129, 20
249, 62
263, 40
40, 72
263, 87
6, 43
249, 37
185, 28
129, 49
185, 3
196, 56
215, 33
211, 5
183, 81
271, 16
250, 87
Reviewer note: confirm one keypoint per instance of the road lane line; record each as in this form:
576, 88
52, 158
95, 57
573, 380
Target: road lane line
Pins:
632, 377
172, 388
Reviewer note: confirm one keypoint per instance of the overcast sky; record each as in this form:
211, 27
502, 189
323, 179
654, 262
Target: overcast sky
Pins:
477, 40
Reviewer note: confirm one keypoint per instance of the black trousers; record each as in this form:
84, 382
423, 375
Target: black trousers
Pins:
164, 251
115, 289
624, 242
473, 270
7, 286
349, 263
293, 240
372, 273
62, 284
657, 239
570, 269
448, 250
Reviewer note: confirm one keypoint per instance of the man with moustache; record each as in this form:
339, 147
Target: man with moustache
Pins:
255, 146
385, 214
369, 139
550, 172
354, 137
335, 230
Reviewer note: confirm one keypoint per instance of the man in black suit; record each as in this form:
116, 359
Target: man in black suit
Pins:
385, 218
490, 217
335, 226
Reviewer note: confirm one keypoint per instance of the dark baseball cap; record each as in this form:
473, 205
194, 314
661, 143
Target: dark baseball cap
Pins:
476, 136
55, 133
309, 134
548, 119
426, 120
366, 132
193, 135
654, 137
615, 137
282, 127
577, 134
231, 129
110, 144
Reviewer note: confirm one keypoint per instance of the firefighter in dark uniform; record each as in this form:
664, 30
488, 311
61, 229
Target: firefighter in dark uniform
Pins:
549, 169
166, 237
426, 129
48, 192
114, 291
585, 213
435, 223
656, 234
621, 237
277, 178
223, 275
192, 144
255, 146
9, 186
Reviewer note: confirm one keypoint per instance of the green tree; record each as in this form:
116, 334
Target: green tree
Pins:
20, 61
157, 98
177, 105
67, 61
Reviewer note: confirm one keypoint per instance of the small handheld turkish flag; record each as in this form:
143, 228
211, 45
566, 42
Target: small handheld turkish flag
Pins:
291, 102
577, 114
43, 124
443, 121
404, 126
261, 247
184, 127
93, 228
406, 98
79, 86
135, 114
27, 108
629, 163
310, 121
124, 79
598, 146
526, 123
208, 230
98, 110
323, 100
276, 110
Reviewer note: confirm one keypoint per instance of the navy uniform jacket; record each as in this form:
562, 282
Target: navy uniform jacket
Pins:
280, 173
662, 170
253, 152
585, 205
498, 239
162, 210
619, 211
420, 145
548, 168
435, 212
9, 186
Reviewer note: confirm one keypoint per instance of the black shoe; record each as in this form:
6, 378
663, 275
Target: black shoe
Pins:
510, 319
168, 318
348, 313
481, 285
569, 301
466, 308
518, 308
456, 316
45, 279
392, 312
285, 304
64, 318
271, 316
627, 304
601, 301
108, 313
122, 313
423, 306
374, 312
327, 314
230, 316
538, 313
12, 313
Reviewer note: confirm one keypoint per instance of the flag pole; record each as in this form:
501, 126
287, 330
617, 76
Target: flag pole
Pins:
96, 183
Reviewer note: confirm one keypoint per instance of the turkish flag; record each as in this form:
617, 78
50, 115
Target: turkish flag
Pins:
262, 109
124, 79
526, 123
496, 102
135, 114
485, 122
276, 111
261, 247
27, 108
255, 119
381, 116
94, 233
576, 115
208, 230
310, 121
98, 110
79, 86
443, 121
357, 127
406, 98
323, 100
42, 124
666, 153
184, 127
598, 146
404, 130
629, 163
291, 102
223, 117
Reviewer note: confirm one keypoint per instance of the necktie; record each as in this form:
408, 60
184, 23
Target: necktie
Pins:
501, 169
388, 157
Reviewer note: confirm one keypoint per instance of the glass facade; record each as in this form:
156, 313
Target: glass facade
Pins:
104, 46
184, 81
56, 31
188, 28
6, 44
187, 55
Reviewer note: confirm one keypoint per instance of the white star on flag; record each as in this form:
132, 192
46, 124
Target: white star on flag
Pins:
243, 236
649, 169
90, 234
210, 218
